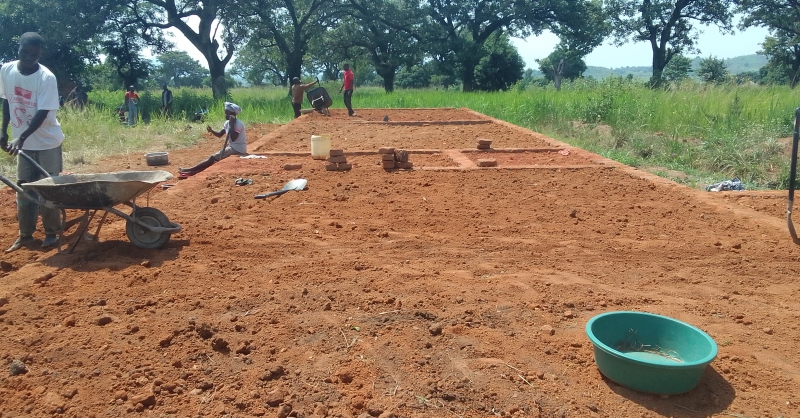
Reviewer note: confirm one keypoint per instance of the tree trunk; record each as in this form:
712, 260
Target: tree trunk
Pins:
557, 81
388, 82
659, 62
468, 77
294, 68
218, 86
558, 75
387, 73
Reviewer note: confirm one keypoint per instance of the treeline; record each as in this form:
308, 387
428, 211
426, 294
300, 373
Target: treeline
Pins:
463, 43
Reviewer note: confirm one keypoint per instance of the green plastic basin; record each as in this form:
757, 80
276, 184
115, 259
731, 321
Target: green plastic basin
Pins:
648, 352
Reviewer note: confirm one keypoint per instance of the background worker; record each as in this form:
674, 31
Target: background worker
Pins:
298, 89
347, 85
30, 101
237, 145
166, 101
131, 105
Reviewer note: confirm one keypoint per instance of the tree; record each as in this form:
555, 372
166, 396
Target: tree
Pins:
123, 39
576, 41
214, 17
289, 26
677, 69
178, 68
501, 66
69, 30
712, 70
260, 64
560, 64
782, 17
365, 27
459, 29
666, 25
783, 54
415, 76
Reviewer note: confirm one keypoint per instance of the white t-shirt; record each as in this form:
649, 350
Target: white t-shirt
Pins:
240, 144
27, 94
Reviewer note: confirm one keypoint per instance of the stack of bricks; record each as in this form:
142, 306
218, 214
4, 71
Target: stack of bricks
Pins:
484, 144
337, 161
391, 158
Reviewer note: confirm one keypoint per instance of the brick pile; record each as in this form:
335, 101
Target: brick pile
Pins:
391, 158
484, 144
337, 161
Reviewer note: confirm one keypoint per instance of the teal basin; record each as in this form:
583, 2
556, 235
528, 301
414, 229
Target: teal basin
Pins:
650, 353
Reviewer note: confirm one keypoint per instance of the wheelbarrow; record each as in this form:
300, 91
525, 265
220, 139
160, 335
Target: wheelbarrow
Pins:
146, 227
320, 100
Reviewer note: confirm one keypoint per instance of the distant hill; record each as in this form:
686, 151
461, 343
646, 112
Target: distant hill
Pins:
735, 65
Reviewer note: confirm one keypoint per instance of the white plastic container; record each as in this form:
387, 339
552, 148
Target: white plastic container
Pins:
320, 146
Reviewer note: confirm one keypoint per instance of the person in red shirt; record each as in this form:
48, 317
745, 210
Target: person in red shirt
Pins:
131, 102
347, 85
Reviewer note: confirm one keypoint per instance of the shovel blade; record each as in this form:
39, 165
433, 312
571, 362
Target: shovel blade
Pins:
296, 184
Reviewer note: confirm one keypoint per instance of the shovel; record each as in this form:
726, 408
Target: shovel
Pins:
792, 176
296, 184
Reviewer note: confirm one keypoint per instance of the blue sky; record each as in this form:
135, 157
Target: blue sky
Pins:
710, 43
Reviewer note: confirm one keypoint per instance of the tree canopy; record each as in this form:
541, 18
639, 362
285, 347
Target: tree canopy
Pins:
667, 25
783, 47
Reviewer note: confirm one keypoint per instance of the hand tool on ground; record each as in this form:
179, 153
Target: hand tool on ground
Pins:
296, 184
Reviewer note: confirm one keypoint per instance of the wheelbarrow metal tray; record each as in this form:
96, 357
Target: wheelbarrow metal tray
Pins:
317, 93
95, 191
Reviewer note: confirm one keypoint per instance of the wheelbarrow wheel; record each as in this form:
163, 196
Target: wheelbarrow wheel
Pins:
143, 237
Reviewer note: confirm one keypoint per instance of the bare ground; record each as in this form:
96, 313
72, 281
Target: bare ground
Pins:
446, 290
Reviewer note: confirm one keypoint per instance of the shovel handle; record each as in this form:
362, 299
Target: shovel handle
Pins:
792, 176
266, 195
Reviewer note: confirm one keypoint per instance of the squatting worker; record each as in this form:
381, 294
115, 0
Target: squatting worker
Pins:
30, 100
298, 89
233, 127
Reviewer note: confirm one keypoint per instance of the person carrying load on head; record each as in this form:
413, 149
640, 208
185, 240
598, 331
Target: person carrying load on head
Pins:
237, 145
298, 89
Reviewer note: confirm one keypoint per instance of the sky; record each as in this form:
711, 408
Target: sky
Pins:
710, 43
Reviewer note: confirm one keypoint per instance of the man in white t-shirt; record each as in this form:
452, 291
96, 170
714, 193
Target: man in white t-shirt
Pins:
30, 100
233, 130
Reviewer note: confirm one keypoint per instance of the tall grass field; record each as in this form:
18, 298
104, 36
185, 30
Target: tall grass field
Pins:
693, 134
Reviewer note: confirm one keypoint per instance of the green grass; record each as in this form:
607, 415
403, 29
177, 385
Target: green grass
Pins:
709, 133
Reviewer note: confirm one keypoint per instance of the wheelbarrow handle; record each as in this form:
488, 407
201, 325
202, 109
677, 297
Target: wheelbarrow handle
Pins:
11, 184
34, 197
266, 195
35, 164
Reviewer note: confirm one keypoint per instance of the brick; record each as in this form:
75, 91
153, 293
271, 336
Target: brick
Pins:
387, 157
386, 150
401, 156
336, 152
388, 164
292, 166
345, 167
337, 159
484, 142
484, 146
406, 165
487, 162
332, 167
